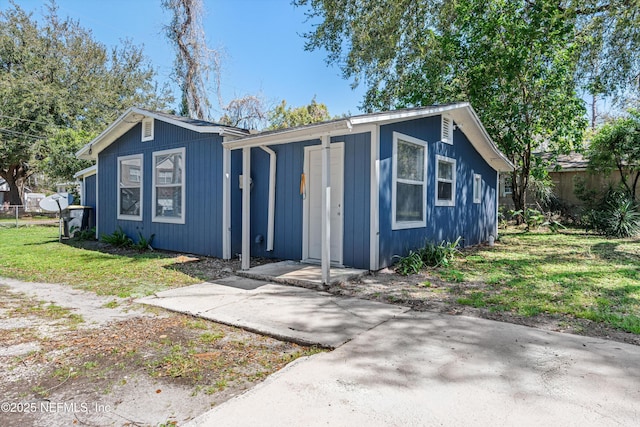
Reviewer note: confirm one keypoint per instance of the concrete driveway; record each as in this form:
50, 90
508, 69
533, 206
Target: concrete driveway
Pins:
404, 368
436, 370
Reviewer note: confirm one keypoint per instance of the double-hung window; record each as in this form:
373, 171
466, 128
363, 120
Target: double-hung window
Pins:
168, 186
446, 181
409, 182
130, 187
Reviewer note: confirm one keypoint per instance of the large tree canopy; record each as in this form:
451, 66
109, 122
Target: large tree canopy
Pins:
521, 63
58, 83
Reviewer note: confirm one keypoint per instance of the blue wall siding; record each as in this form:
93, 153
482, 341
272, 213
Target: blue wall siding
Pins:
202, 231
90, 196
289, 202
357, 199
473, 222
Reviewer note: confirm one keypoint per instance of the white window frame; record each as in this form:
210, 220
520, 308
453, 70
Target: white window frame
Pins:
446, 130
400, 225
147, 121
477, 188
504, 186
451, 202
140, 184
154, 186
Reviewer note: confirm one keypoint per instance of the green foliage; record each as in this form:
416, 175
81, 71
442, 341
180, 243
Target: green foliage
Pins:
60, 159
143, 243
282, 116
616, 146
118, 239
410, 264
521, 63
431, 255
87, 234
58, 86
616, 215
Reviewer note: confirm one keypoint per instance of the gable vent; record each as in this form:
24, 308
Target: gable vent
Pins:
447, 130
147, 129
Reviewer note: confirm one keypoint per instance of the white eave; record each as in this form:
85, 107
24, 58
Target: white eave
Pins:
462, 114
91, 170
132, 117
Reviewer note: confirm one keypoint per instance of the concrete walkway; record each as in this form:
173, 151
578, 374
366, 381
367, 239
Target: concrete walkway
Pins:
437, 370
286, 312
299, 274
394, 367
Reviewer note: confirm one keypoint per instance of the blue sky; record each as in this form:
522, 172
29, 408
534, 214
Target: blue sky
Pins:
263, 47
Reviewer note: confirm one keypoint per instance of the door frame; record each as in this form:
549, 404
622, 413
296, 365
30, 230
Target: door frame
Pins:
305, 211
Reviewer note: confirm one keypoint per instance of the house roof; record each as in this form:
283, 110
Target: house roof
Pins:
462, 114
566, 162
91, 170
134, 115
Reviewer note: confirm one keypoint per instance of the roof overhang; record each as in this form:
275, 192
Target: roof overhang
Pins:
91, 170
462, 114
132, 117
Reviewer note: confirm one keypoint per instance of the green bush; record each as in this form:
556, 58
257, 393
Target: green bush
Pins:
143, 243
118, 239
616, 215
431, 255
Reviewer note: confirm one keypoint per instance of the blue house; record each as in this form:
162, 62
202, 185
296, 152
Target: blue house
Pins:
348, 192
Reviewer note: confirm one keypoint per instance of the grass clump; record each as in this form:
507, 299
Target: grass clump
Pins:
430, 255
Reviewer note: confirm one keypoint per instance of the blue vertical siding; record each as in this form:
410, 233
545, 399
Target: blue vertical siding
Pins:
473, 222
90, 196
357, 199
289, 202
202, 231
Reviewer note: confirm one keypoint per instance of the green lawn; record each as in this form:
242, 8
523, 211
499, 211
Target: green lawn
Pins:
568, 273
34, 254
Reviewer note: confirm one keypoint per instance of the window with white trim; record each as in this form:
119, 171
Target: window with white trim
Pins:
445, 181
507, 188
477, 188
446, 130
130, 187
147, 129
168, 186
409, 186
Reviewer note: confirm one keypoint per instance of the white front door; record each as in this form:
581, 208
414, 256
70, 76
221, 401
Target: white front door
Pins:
313, 203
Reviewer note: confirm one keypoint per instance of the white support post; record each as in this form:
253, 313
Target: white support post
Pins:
326, 210
226, 204
246, 208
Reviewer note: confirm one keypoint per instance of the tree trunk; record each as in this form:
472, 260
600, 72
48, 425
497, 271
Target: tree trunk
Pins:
15, 176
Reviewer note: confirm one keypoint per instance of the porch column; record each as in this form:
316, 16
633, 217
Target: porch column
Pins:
246, 208
326, 210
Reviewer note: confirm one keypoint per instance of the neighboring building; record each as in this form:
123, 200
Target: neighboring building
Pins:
565, 172
396, 180
4, 192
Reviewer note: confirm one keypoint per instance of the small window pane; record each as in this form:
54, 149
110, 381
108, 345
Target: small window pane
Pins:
410, 161
130, 172
445, 170
409, 201
130, 201
169, 202
444, 190
169, 169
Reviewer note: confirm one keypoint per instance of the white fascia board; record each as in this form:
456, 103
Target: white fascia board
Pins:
91, 170
292, 135
470, 125
130, 118
403, 115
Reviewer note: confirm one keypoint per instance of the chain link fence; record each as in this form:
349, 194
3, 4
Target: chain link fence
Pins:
20, 216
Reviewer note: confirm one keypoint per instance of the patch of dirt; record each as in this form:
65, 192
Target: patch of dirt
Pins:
423, 292
132, 368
